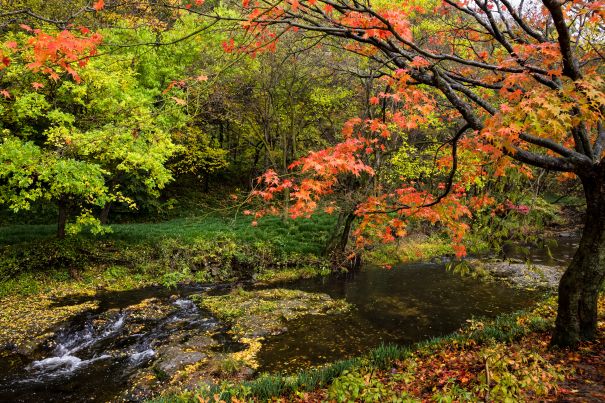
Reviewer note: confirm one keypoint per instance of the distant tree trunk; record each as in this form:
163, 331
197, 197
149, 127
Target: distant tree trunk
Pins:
104, 216
286, 211
221, 133
62, 219
206, 183
580, 284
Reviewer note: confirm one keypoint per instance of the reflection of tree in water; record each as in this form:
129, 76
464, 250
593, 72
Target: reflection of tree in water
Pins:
393, 305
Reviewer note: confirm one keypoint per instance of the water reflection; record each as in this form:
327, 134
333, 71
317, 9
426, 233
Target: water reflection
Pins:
408, 303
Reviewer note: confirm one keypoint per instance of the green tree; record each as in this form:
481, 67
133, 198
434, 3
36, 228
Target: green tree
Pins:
82, 142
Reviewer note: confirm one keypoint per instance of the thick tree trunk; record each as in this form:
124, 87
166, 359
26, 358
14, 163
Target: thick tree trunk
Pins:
340, 237
62, 219
580, 284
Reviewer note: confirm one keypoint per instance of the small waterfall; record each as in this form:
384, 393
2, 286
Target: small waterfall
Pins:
65, 355
106, 347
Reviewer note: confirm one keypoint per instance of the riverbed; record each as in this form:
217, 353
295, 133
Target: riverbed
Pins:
107, 352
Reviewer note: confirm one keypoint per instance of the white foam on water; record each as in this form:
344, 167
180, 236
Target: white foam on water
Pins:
185, 304
63, 364
141, 356
66, 363
64, 359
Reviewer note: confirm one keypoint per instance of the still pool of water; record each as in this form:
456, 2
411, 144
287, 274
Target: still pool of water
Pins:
405, 304
408, 303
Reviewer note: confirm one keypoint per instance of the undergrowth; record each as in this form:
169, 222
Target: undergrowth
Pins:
203, 250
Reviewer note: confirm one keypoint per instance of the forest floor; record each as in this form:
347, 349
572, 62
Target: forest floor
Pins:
523, 369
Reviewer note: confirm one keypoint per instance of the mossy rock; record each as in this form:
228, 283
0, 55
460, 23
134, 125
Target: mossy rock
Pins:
261, 313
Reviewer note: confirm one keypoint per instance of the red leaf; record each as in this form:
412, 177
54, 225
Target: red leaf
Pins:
99, 5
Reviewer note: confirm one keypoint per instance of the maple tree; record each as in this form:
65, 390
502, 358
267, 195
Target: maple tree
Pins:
518, 85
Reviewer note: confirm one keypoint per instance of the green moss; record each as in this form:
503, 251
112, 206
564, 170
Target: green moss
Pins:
262, 312
273, 276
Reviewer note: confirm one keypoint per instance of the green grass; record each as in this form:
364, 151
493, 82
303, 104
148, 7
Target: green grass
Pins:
301, 236
13, 234
203, 249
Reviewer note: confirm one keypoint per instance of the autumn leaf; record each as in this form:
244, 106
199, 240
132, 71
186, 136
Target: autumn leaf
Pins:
99, 5
179, 101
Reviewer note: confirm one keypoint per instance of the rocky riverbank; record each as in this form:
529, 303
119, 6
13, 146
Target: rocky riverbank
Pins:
537, 270
149, 340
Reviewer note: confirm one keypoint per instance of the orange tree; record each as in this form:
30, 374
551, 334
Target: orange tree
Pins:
521, 81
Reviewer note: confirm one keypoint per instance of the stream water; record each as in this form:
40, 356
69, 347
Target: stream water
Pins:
94, 355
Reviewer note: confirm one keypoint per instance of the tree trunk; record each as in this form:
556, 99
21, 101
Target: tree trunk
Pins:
580, 284
340, 237
346, 231
62, 219
104, 216
286, 210
206, 183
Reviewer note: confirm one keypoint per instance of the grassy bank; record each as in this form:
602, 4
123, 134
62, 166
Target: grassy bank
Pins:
205, 249
506, 359
36, 269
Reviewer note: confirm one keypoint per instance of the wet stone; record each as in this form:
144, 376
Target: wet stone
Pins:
522, 274
174, 358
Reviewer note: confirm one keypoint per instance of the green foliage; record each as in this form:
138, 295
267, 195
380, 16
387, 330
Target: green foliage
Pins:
198, 156
44, 255
384, 355
29, 174
518, 216
358, 386
410, 249
414, 162
231, 366
86, 144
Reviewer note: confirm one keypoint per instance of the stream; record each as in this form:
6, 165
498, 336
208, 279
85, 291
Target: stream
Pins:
95, 355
